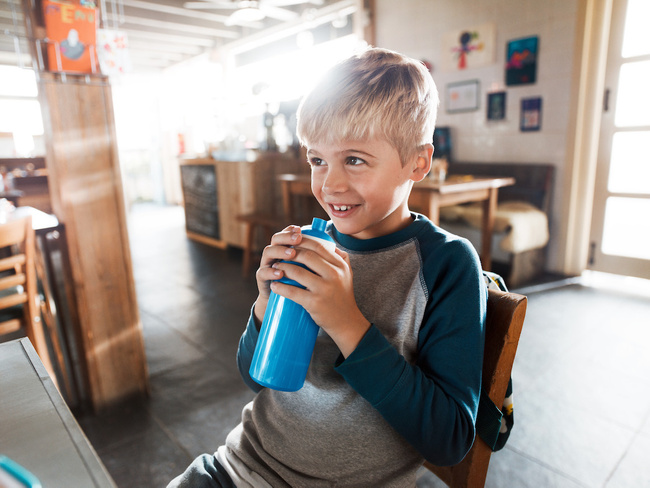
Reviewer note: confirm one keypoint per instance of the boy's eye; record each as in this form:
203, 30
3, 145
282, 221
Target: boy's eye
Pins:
315, 162
354, 161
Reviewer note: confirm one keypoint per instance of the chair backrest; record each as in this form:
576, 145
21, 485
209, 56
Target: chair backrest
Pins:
18, 285
17, 268
503, 324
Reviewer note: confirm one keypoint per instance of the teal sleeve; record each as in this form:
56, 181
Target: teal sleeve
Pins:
432, 403
245, 352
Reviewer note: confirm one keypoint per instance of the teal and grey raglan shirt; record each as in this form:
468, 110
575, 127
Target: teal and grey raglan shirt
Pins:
409, 391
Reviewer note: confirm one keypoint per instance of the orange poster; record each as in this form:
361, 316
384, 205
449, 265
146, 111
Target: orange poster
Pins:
70, 30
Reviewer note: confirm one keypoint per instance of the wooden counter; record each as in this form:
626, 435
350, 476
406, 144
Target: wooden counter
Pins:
215, 192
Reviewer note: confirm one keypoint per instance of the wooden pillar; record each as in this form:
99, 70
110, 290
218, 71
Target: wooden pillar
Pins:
86, 192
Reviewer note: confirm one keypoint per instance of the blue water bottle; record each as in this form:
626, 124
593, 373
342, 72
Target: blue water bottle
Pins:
288, 333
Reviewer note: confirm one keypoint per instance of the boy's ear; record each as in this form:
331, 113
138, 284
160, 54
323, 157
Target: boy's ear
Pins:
422, 163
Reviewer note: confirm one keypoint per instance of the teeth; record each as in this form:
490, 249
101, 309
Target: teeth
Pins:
341, 208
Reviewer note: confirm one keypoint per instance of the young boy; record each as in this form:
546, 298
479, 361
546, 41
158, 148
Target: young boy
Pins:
396, 372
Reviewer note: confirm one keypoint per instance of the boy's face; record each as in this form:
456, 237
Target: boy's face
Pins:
363, 186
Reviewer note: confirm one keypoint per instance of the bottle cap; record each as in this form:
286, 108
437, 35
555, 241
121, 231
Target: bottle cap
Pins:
318, 224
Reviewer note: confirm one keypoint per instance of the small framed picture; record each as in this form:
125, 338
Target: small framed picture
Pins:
521, 61
496, 106
531, 114
463, 96
442, 143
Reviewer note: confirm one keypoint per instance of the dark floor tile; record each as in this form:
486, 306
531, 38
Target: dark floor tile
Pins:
572, 441
203, 430
127, 420
146, 461
162, 298
179, 392
165, 347
213, 326
522, 472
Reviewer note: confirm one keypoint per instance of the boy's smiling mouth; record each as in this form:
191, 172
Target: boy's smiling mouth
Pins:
341, 210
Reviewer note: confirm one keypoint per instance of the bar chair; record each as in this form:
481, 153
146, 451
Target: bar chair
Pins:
19, 300
503, 324
268, 223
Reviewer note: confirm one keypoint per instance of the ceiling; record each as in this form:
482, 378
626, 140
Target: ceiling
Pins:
166, 32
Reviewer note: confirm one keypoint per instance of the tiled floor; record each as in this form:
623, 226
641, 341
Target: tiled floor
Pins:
581, 377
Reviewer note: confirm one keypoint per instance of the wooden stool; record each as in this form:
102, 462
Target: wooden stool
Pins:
268, 223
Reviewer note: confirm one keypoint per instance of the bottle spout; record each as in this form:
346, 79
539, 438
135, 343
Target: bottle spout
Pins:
318, 224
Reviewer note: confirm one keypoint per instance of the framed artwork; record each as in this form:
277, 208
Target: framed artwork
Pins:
521, 61
463, 96
70, 29
469, 48
496, 105
442, 143
531, 114
112, 51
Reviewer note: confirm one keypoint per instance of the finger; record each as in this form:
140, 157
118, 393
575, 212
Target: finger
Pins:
305, 277
319, 261
289, 236
274, 253
343, 254
291, 292
269, 274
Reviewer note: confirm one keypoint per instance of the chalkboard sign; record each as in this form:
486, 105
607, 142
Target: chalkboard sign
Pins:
199, 182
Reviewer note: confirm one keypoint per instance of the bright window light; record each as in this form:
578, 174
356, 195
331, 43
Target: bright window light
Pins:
635, 40
633, 99
289, 76
17, 82
23, 116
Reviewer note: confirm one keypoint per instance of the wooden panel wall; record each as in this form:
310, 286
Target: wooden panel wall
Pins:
86, 192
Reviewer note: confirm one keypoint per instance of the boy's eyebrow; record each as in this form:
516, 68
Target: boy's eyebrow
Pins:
313, 152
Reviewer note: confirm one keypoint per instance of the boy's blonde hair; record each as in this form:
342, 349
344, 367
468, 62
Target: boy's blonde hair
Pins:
377, 93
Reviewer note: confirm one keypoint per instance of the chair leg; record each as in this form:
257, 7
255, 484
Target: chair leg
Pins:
248, 248
48, 313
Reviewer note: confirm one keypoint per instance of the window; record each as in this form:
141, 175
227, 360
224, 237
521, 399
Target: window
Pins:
20, 112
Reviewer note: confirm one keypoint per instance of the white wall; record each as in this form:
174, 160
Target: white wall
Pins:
416, 27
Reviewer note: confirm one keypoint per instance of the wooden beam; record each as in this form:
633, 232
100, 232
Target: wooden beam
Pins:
87, 197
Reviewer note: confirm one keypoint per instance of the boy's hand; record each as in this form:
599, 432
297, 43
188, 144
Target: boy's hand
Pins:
279, 249
329, 294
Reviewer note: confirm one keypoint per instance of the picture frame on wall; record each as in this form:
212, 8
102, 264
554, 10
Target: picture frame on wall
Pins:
521, 61
496, 105
71, 34
531, 114
469, 48
442, 143
463, 96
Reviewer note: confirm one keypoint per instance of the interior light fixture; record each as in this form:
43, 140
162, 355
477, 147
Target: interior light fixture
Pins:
246, 14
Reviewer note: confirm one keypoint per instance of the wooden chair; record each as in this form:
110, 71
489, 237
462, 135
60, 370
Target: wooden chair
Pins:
19, 300
505, 318
268, 223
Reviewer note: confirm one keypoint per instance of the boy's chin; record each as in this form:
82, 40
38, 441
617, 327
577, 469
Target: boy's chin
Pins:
348, 227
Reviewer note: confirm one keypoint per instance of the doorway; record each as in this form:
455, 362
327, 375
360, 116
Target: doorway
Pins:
620, 228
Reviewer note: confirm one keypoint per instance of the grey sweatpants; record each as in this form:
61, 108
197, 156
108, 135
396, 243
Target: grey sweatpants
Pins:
204, 472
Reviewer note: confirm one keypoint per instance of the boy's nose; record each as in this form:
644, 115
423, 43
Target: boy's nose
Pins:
335, 181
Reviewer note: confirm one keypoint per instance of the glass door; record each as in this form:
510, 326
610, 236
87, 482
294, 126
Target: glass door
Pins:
620, 230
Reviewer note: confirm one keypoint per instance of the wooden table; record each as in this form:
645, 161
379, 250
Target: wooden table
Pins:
430, 196
42, 222
37, 429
